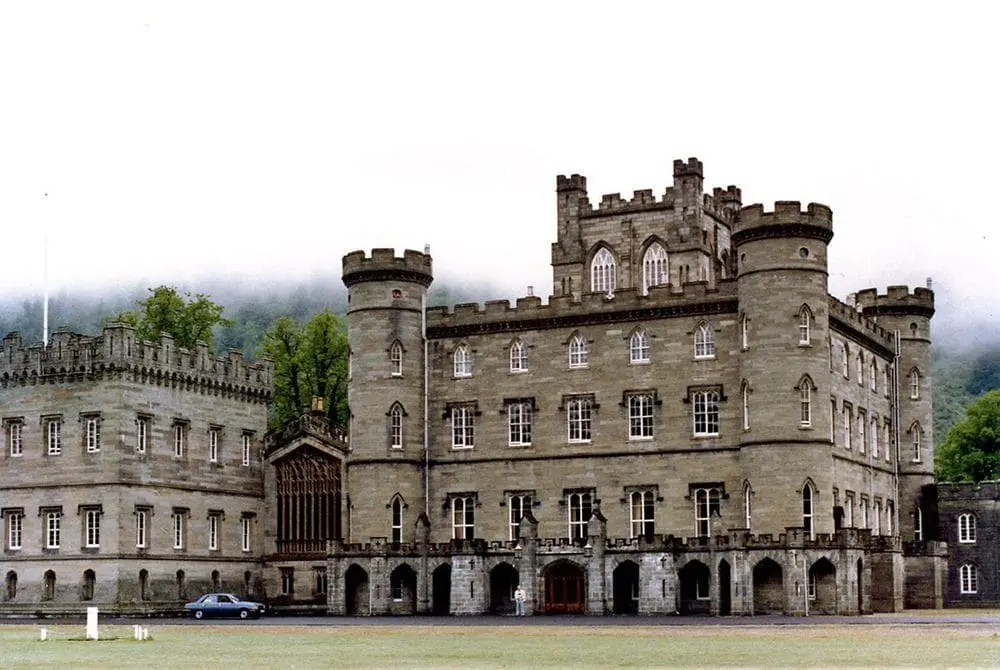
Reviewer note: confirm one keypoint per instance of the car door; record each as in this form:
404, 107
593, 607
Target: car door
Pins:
226, 605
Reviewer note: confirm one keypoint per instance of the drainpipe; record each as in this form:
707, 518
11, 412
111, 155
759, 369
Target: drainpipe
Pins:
427, 457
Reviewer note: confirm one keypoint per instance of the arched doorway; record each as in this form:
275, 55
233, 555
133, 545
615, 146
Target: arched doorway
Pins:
10, 586
823, 587
695, 582
49, 586
503, 581
861, 599
181, 585
356, 591
441, 584
216, 581
625, 588
768, 588
403, 589
565, 588
143, 584
88, 585
725, 588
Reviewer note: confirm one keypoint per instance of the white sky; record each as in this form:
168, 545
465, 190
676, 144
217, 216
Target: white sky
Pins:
178, 140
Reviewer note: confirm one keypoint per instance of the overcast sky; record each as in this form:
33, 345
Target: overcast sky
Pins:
179, 140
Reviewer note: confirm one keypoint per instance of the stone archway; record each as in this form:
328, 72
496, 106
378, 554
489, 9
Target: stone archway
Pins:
356, 591
403, 590
725, 588
695, 588
823, 587
441, 586
565, 588
768, 588
504, 579
625, 588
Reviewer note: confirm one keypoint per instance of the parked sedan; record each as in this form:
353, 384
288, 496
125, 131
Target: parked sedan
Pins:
223, 604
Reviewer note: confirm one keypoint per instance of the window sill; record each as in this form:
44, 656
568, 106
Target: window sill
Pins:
805, 345
518, 372
462, 448
701, 436
705, 358
805, 426
579, 367
520, 445
643, 362
579, 441
643, 438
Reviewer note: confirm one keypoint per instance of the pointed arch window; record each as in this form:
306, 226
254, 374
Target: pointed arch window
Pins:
806, 388
396, 359
873, 375
396, 426
967, 528
463, 361
638, 347
655, 271
518, 357
704, 341
602, 272
577, 351
744, 332
805, 323
860, 368
845, 362
397, 519
745, 397
641, 513
916, 434
807, 510
969, 578
918, 524
747, 511
914, 384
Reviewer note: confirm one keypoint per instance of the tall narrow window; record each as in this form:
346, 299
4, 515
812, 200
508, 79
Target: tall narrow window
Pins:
844, 361
245, 449
396, 359
918, 524
706, 503
463, 428
602, 273
577, 352
640, 416
213, 445
744, 333
849, 510
805, 404
463, 361
396, 427
53, 430
53, 529
141, 434
180, 439
969, 578
877, 517
463, 517
580, 510
518, 357
915, 447
873, 376
654, 267
638, 347
213, 532
890, 517
967, 528
578, 415
14, 437
397, 519
518, 505
92, 528
15, 530
807, 511
864, 511
833, 420
861, 431
519, 424
860, 368
914, 384
805, 320
140, 528
873, 436
848, 427
706, 413
745, 397
747, 516
246, 528
93, 434
704, 342
641, 509
177, 520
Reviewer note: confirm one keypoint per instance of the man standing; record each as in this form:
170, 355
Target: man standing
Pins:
519, 596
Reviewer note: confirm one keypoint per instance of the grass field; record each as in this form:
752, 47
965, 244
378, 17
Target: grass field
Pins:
375, 646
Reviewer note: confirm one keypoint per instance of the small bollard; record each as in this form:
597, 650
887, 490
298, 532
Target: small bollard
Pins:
91, 623
135, 631
145, 633
43, 634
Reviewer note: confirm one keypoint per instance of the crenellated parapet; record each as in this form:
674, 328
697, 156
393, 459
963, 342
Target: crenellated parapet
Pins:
75, 357
695, 298
383, 265
897, 301
861, 325
788, 219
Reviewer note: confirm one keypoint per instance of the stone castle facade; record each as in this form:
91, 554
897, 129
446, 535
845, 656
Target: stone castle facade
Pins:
690, 423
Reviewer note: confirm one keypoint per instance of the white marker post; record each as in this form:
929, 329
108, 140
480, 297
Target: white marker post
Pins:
43, 634
91, 623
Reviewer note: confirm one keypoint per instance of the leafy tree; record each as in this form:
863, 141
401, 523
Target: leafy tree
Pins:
971, 452
188, 319
309, 360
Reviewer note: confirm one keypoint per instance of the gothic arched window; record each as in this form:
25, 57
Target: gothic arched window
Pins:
602, 272
655, 271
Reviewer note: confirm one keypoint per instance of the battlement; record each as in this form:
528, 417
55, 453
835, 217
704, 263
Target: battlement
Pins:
73, 357
897, 301
859, 321
785, 212
693, 167
626, 304
574, 182
383, 264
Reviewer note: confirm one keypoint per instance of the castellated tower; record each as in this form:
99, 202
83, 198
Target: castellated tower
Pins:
909, 315
782, 286
385, 468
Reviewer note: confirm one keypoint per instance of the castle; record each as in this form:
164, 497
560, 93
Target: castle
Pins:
691, 423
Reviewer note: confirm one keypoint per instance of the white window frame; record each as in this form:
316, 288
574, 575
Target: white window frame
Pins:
747, 506
518, 357
918, 524
463, 427
860, 368
877, 517
93, 434
915, 444
579, 509
462, 361
805, 337
640, 416
92, 528
808, 511
705, 502
638, 347
642, 513
967, 528
655, 267
245, 444
246, 533
849, 510
745, 400
141, 527
396, 359
744, 332
141, 434
705, 413
603, 272
890, 517
805, 405
396, 427
180, 439
53, 438
177, 521
914, 384
463, 517
704, 342
53, 530
873, 376
845, 361
968, 578
873, 435
519, 420
862, 435
213, 532
14, 432
578, 354
396, 520
864, 512
15, 530
213, 445
579, 418
517, 504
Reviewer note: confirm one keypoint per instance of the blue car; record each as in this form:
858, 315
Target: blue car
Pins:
223, 604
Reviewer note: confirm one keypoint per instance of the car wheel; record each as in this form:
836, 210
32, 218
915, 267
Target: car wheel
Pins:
198, 614
244, 614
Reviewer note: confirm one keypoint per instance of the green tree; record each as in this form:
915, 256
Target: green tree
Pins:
188, 319
971, 451
309, 360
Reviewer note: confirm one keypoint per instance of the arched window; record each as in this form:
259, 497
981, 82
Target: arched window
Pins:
518, 357
873, 375
396, 426
807, 510
873, 436
745, 397
577, 352
49, 586
744, 333
805, 322
641, 508
704, 341
10, 586
915, 443
143, 584
463, 361
747, 516
918, 524
969, 578
967, 528
805, 402
396, 359
602, 272
844, 363
638, 347
87, 588
397, 519
860, 368
654, 267
706, 503
914, 384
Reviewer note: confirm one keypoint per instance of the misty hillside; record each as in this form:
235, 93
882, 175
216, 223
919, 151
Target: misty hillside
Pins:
963, 367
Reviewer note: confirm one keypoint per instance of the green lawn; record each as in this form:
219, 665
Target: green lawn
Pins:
269, 646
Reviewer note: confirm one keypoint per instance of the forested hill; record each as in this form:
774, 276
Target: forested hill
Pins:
961, 371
